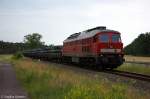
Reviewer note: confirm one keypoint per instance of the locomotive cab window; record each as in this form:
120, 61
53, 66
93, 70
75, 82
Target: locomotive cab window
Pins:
104, 38
116, 38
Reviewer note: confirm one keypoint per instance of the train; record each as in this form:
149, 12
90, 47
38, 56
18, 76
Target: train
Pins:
99, 46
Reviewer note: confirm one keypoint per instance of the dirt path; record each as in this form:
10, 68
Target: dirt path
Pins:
9, 85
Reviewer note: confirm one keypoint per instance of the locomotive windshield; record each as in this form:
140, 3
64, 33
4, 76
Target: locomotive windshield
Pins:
116, 38
104, 38
113, 38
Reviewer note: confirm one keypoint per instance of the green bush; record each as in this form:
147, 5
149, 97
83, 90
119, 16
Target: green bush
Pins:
17, 55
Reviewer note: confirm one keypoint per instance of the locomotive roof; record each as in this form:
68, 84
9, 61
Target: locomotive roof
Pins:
88, 33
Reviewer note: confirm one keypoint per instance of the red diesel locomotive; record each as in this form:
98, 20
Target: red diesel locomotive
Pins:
99, 46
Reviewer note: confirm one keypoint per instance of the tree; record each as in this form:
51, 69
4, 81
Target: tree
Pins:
33, 40
140, 46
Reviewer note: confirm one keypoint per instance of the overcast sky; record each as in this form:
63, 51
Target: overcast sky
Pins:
57, 19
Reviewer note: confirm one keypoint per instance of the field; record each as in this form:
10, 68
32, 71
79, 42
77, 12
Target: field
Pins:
136, 68
44, 80
137, 59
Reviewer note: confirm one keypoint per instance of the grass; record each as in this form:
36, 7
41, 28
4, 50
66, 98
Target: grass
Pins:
47, 81
136, 68
5, 58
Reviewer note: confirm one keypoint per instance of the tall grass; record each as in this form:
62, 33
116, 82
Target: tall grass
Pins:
47, 81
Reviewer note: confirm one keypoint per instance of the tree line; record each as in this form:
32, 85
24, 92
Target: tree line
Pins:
140, 46
9, 47
31, 41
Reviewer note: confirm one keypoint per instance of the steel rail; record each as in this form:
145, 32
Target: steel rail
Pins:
129, 74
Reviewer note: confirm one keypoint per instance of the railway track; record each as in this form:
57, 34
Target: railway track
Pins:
120, 73
130, 75
116, 72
